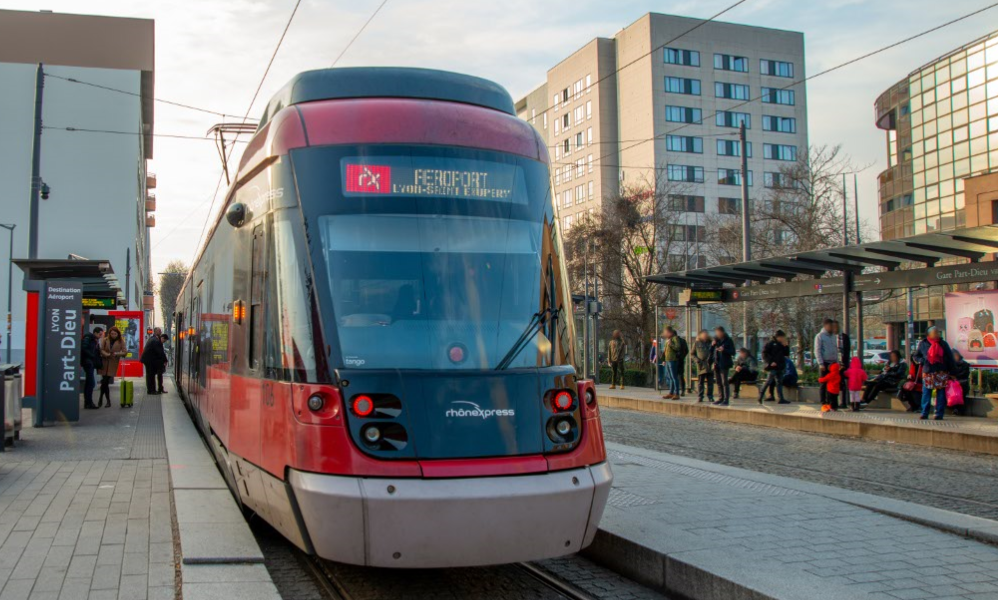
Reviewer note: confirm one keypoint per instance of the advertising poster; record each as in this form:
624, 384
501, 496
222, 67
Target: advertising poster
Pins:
970, 325
130, 324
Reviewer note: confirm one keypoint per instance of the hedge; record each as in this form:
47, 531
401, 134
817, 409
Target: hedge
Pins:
632, 377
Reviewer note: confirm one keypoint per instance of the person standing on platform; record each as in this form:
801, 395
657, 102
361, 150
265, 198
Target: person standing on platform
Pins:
704, 363
855, 377
684, 353
937, 364
112, 349
774, 358
826, 352
670, 358
723, 352
154, 360
616, 355
90, 361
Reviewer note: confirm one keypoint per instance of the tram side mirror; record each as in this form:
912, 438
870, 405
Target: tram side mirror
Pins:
236, 214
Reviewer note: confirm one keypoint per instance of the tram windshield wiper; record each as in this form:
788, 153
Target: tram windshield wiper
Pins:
537, 321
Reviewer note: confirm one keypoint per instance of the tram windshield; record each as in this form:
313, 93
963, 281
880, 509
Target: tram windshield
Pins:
445, 270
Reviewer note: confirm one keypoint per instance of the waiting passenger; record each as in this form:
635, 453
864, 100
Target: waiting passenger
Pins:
746, 370
961, 372
888, 380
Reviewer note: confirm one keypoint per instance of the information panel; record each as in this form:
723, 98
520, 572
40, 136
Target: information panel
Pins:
430, 177
63, 324
970, 325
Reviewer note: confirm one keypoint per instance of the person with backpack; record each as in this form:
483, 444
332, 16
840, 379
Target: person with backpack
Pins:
670, 358
90, 361
723, 357
774, 357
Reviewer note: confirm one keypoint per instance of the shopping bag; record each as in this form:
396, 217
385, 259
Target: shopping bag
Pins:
954, 393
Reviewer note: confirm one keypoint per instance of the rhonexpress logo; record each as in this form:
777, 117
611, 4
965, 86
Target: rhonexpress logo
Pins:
369, 179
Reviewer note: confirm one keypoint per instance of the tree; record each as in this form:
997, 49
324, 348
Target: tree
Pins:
637, 233
800, 210
170, 282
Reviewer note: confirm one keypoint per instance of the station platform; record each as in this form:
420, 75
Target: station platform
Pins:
968, 434
704, 531
123, 504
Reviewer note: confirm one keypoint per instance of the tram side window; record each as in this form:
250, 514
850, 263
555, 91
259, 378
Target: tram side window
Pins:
257, 283
290, 351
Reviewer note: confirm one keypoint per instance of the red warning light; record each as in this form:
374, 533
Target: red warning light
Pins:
369, 179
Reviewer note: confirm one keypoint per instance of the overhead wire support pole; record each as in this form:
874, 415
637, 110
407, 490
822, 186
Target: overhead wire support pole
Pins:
746, 225
860, 345
846, 274
36, 160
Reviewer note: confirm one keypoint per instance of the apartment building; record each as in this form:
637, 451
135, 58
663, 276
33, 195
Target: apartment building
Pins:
655, 105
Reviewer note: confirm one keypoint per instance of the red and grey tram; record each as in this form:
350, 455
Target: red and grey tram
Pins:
376, 339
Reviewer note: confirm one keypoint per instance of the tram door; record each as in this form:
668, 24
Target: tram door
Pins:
178, 349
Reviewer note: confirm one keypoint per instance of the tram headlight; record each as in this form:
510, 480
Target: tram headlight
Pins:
315, 403
372, 435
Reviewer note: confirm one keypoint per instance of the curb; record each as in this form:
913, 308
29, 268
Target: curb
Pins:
932, 438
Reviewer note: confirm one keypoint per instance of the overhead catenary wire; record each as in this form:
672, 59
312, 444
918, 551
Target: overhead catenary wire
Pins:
138, 95
256, 93
131, 133
359, 31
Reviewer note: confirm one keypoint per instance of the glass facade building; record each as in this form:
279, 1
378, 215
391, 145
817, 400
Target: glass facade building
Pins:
942, 126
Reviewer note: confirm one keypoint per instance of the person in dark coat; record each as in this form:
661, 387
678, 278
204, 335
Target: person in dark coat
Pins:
961, 372
774, 360
888, 381
703, 362
935, 358
90, 361
154, 360
723, 352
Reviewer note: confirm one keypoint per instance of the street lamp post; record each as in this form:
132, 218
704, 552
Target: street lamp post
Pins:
10, 280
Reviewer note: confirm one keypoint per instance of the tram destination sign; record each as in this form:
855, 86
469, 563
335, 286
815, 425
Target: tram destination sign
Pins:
868, 282
428, 177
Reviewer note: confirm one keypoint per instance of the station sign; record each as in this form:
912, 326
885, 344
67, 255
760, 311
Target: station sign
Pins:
867, 282
62, 323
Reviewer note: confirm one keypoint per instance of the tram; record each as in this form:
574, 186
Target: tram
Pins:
376, 339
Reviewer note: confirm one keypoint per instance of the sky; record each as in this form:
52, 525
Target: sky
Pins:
212, 54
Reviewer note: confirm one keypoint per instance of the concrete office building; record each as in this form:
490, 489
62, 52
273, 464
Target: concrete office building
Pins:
100, 203
610, 98
941, 124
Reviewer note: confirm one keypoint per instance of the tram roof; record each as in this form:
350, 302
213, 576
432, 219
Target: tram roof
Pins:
974, 243
389, 82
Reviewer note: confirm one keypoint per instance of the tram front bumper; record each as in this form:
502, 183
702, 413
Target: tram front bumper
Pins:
435, 523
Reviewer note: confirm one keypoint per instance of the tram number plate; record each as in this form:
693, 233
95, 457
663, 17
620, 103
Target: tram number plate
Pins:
429, 177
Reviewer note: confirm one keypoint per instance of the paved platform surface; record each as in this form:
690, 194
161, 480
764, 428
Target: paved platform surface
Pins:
974, 434
85, 509
706, 531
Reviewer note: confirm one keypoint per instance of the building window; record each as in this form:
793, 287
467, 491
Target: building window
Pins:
779, 124
777, 96
568, 222
589, 136
580, 167
568, 198
778, 181
566, 122
580, 194
564, 96
533, 116
590, 161
731, 177
590, 190
545, 117
686, 58
730, 118
688, 233
776, 68
729, 206
579, 114
726, 62
589, 83
557, 176
681, 85
682, 114
554, 101
579, 140
566, 147
589, 109
685, 173
732, 148
686, 203
557, 122
779, 152
731, 91
684, 143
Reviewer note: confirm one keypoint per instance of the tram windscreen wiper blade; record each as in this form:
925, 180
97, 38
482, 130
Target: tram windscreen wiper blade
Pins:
538, 320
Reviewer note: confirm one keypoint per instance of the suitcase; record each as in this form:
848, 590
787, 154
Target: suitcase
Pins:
126, 393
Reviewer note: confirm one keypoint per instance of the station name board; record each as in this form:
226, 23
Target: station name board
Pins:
428, 177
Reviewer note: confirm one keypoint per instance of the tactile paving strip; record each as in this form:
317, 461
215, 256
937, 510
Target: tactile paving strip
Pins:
755, 486
149, 441
622, 499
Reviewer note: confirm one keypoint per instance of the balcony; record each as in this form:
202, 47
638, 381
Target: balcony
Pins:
150, 220
150, 203
150, 181
148, 302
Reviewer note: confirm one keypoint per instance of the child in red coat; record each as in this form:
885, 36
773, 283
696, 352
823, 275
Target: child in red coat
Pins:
855, 379
833, 381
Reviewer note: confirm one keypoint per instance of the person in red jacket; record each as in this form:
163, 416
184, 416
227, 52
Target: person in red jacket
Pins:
833, 384
855, 380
